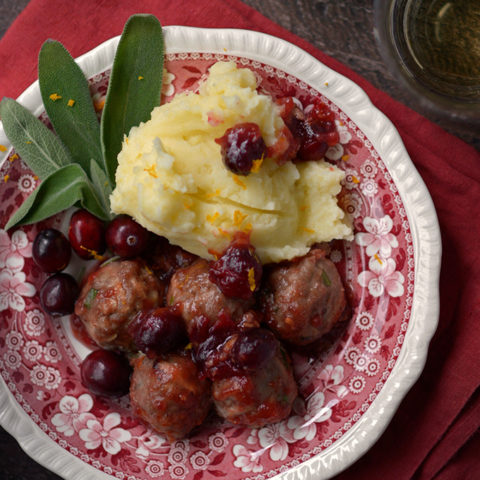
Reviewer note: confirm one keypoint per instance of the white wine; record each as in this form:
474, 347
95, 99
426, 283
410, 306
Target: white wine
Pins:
442, 38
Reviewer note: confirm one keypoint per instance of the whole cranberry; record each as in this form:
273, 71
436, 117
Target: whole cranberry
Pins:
241, 145
158, 331
106, 373
254, 348
238, 272
58, 294
317, 132
125, 237
51, 250
86, 234
221, 356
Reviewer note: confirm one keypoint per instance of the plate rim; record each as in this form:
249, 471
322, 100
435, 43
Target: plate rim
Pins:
420, 210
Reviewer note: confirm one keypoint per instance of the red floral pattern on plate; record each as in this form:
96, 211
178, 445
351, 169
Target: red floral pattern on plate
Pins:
39, 358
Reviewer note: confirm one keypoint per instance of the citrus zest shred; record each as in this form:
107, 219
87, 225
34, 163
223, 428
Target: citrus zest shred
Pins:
355, 180
345, 158
3, 148
248, 228
147, 269
378, 259
216, 193
251, 279
239, 182
5, 178
238, 217
211, 218
140, 77
71, 103
54, 97
216, 255
14, 157
224, 233
308, 230
93, 253
99, 104
152, 171
257, 164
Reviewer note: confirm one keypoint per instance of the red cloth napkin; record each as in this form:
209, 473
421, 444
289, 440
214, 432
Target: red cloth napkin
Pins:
435, 433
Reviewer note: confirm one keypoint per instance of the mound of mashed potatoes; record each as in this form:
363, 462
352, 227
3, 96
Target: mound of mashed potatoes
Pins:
172, 180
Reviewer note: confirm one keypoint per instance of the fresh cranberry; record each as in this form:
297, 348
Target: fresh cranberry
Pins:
254, 348
238, 272
158, 331
210, 355
51, 250
225, 354
317, 133
314, 130
198, 330
292, 114
241, 146
58, 294
125, 237
86, 234
165, 259
106, 373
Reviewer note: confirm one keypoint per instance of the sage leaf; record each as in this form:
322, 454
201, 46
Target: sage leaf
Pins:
38, 146
92, 202
68, 103
101, 184
135, 84
62, 189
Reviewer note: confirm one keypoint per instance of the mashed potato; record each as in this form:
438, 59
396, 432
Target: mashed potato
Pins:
172, 180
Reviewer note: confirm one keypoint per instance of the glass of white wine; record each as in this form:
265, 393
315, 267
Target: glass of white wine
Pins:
433, 46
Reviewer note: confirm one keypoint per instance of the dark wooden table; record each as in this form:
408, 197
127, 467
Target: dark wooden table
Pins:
340, 28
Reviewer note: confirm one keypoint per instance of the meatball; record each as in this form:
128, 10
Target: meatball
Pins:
168, 393
257, 397
200, 301
110, 298
303, 299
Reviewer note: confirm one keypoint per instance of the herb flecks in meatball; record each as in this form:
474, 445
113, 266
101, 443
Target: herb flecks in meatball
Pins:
303, 299
200, 301
112, 296
168, 393
259, 397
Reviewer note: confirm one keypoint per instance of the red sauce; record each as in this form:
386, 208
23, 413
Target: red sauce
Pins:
79, 332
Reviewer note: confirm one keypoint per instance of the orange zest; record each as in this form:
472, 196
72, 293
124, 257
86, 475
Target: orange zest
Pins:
152, 171
251, 279
239, 182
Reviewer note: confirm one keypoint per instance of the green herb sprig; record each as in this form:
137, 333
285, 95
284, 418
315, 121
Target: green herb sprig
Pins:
77, 165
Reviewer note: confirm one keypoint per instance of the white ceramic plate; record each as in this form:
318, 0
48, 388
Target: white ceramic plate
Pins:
351, 391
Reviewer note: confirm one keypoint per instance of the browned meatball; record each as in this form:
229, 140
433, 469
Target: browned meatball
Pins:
200, 301
168, 393
111, 297
303, 299
259, 397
